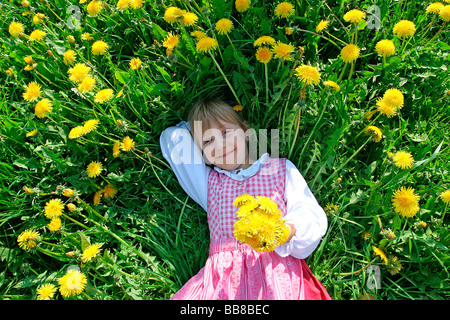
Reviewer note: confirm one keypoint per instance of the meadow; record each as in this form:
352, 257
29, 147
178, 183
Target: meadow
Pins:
359, 91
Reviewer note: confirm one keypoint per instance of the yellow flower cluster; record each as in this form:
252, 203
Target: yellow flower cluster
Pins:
260, 223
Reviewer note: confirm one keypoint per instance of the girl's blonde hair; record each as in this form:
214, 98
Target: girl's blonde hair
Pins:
208, 111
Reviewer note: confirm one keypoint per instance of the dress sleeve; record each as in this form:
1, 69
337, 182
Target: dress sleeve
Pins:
304, 212
185, 158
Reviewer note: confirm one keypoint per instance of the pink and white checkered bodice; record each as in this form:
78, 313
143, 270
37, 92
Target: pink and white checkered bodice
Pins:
223, 190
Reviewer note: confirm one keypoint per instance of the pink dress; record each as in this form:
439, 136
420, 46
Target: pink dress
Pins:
235, 271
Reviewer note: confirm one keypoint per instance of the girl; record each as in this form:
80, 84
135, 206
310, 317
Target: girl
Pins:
213, 171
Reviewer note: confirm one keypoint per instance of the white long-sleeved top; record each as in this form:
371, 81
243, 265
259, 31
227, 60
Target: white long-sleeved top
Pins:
302, 208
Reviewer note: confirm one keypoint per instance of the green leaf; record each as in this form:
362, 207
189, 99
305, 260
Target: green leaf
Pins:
122, 76
85, 242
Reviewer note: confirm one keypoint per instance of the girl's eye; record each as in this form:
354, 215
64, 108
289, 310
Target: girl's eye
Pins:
226, 131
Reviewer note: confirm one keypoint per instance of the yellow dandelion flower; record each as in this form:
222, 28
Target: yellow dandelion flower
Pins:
405, 202
354, 16
224, 26
434, 7
288, 31
189, 19
86, 36
380, 253
404, 29
53, 208
136, 4
97, 197
94, 8
238, 107
87, 85
28, 239
116, 149
263, 54
332, 84
135, 63
16, 28
37, 35
90, 125
123, 4
242, 199
43, 108
403, 159
246, 208
38, 18
207, 44
32, 91
385, 109
172, 14
284, 10
264, 40
308, 74
69, 57
32, 133
350, 53
55, 224
198, 34
90, 252
94, 169
375, 132
99, 47
444, 14
76, 132
127, 144
323, 24
72, 283
385, 48
267, 205
242, 5
28, 59
445, 196
394, 98
46, 291
109, 191
283, 51
104, 95
171, 41
78, 72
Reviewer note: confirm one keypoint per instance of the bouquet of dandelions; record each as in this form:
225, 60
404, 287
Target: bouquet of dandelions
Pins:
260, 223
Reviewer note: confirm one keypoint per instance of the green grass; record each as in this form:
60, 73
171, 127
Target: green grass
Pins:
153, 236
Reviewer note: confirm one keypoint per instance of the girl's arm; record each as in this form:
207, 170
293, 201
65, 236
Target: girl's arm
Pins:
304, 213
185, 158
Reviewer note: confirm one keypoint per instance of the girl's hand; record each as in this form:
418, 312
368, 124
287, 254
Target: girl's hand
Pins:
292, 231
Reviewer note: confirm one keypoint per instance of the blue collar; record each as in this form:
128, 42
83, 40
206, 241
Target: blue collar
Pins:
242, 174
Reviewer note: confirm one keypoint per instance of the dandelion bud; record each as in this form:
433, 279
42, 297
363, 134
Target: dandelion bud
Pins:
70, 254
423, 224
71, 207
71, 39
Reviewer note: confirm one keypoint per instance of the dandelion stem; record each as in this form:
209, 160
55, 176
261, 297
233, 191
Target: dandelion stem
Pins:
437, 33
75, 221
225, 78
342, 72
345, 162
267, 84
351, 71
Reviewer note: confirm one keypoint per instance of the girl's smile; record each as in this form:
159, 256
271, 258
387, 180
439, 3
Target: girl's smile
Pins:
224, 145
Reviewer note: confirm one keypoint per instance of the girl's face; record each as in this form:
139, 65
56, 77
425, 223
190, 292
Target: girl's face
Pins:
224, 145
